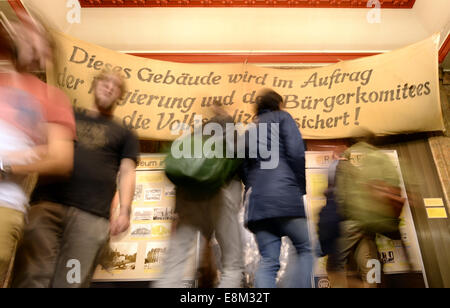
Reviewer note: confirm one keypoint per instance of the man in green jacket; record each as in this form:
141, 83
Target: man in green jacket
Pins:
369, 198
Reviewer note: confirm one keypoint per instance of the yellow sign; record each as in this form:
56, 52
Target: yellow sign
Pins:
433, 202
318, 159
316, 182
396, 92
436, 212
151, 178
151, 163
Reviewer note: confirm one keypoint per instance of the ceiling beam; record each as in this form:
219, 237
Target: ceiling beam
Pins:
445, 49
18, 8
385, 4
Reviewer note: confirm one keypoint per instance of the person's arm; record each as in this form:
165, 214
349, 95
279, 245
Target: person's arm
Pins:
114, 205
58, 159
127, 181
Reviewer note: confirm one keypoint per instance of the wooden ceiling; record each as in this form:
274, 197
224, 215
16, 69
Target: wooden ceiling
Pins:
386, 4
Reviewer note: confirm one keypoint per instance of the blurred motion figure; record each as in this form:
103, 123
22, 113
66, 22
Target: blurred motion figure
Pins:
211, 213
70, 218
36, 128
369, 199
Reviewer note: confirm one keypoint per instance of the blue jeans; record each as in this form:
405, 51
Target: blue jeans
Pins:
268, 234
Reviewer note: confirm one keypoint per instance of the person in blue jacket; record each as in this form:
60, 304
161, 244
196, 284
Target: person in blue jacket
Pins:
274, 178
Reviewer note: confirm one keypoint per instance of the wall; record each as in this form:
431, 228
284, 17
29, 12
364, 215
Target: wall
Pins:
434, 15
237, 29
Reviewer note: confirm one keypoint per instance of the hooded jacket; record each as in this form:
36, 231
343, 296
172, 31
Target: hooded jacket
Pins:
274, 185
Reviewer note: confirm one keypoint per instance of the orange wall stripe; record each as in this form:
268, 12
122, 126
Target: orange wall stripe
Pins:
253, 58
445, 49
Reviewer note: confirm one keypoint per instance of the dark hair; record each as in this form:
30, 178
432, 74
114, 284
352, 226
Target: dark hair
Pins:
268, 100
8, 49
364, 135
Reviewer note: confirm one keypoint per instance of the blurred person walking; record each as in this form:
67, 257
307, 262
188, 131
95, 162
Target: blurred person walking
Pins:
273, 199
37, 130
69, 219
370, 202
211, 213
36, 49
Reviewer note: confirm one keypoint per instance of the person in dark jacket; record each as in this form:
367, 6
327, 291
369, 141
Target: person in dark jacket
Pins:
275, 185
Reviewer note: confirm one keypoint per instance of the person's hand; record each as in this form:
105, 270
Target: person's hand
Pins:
5, 169
119, 224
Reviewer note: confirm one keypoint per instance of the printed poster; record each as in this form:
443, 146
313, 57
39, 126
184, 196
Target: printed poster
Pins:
139, 253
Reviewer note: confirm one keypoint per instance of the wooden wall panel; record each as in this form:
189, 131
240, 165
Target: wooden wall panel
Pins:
422, 181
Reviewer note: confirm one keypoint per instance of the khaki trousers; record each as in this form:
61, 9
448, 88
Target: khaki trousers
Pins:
11, 228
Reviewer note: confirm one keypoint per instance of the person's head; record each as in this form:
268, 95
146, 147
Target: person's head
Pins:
218, 109
34, 44
364, 135
108, 89
268, 99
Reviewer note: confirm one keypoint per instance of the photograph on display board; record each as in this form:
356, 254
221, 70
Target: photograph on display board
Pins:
163, 213
141, 231
170, 191
122, 257
154, 255
161, 230
152, 194
138, 193
142, 214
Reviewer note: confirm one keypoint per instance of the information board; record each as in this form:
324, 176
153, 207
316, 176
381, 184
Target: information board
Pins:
138, 253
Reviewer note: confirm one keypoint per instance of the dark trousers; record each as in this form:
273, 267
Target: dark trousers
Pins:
60, 247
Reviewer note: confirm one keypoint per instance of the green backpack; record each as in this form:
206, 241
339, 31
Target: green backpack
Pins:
200, 175
370, 192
